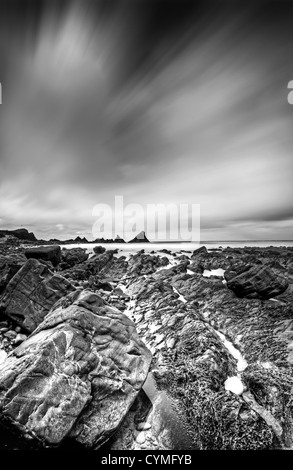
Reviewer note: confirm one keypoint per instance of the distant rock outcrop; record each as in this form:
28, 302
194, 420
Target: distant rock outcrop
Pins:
118, 239
81, 240
140, 238
47, 253
31, 293
76, 376
20, 233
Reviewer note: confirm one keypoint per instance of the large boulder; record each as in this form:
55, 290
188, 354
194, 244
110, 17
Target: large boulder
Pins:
91, 267
201, 251
9, 265
76, 376
31, 293
259, 282
99, 250
46, 253
73, 256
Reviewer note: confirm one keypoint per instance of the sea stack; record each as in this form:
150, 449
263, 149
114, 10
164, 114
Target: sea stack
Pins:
118, 239
140, 238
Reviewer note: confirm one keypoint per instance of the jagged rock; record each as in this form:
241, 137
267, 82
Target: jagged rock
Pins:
73, 256
46, 253
76, 376
141, 263
80, 240
237, 267
31, 293
91, 267
140, 238
196, 267
168, 252
182, 317
105, 265
104, 285
202, 251
259, 282
194, 371
9, 265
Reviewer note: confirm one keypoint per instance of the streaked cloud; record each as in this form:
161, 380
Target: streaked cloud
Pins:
107, 101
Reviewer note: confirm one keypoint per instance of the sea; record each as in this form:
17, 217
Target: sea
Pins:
181, 246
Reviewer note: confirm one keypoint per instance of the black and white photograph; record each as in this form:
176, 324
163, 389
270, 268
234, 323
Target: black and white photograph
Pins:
146, 228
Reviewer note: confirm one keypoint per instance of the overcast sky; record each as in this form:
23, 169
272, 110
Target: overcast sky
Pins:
157, 101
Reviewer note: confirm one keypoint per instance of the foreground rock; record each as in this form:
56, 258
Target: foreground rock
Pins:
9, 265
76, 376
31, 293
198, 394
186, 320
259, 281
100, 266
190, 366
46, 253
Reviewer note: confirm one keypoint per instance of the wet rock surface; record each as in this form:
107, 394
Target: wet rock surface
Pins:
258, 281
31, 293
199, 394
9, 265
76, 376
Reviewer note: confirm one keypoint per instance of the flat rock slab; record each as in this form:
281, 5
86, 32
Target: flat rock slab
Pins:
47, 253
31, 293
76, 376
258, 282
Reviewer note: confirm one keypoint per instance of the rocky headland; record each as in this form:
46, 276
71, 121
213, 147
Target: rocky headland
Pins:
163, 350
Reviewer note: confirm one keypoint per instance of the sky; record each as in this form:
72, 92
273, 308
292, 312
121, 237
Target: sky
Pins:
157, 101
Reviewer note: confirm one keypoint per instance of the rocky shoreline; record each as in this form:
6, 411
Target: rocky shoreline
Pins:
146, 351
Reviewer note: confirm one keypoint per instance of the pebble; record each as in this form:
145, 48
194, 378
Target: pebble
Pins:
11, 334
140, 438
4, 329
170, 343
143, 426
159, 338
19, 338
154, 327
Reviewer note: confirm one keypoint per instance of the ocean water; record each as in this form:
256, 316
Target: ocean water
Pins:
130, 248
